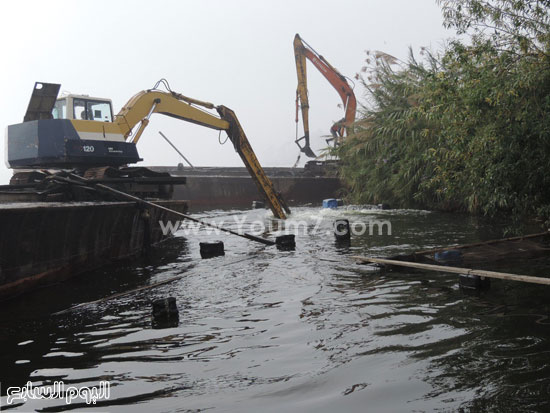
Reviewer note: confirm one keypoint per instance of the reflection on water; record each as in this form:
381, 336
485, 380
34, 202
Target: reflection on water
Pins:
303, 330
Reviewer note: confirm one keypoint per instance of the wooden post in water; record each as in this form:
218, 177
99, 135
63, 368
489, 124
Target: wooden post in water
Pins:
457, 270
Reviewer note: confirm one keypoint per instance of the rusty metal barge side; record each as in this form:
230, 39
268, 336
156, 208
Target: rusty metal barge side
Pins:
212, 187
44, 243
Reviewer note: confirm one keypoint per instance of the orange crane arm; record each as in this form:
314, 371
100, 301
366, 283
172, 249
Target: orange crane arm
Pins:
302, 51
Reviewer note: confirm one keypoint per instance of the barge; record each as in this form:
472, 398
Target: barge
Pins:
232, 187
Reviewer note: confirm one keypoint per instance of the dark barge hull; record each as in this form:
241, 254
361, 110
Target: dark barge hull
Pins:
208, 187
42, 243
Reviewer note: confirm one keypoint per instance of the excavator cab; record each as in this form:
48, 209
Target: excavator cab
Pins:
83, 107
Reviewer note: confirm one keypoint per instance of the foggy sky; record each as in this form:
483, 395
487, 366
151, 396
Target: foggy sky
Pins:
235, 53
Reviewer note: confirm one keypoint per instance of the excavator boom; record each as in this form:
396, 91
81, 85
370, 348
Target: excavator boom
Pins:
140, 107
303, 51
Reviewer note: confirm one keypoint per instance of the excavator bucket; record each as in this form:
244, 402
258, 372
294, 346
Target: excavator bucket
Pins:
309, 153
306, 148
42, 101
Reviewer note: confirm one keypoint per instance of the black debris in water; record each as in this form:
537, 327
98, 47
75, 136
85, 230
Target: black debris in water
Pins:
165, 313
285, 242
211, 249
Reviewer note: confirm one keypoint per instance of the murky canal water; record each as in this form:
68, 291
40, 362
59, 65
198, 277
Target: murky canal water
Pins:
304, 330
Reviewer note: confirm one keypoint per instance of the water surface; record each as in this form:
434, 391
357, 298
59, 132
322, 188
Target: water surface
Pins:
303, 330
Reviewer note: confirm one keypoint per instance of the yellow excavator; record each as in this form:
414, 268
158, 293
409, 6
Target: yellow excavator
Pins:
79, 132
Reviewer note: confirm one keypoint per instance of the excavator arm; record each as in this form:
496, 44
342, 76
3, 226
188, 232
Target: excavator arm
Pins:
141, 106
303, 51
242, 147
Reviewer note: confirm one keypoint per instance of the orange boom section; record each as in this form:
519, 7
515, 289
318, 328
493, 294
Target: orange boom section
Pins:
339, 130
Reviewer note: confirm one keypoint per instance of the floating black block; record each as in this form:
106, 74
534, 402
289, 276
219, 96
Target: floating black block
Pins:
165, 309
211, 249
342, 229
285, 242
474, 282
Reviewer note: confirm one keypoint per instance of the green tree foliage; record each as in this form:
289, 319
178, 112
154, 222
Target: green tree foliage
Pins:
466, 129
520, 25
